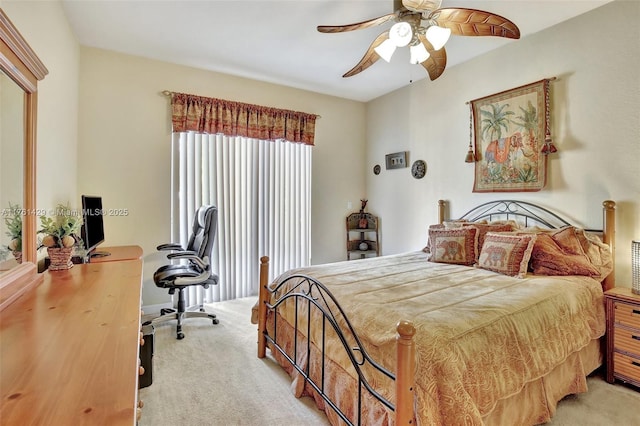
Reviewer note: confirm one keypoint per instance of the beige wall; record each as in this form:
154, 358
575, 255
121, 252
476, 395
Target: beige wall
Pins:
595, 125
124, 154
104, 129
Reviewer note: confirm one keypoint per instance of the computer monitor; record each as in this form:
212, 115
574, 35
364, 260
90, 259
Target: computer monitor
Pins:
93, 225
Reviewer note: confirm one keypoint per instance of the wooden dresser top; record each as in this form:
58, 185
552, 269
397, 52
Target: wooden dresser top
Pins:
69, 348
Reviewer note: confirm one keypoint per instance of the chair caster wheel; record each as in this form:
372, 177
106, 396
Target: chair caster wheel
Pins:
180, 336
215, 321
201, 309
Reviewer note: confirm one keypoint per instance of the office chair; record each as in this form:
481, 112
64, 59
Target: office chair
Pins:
196, 272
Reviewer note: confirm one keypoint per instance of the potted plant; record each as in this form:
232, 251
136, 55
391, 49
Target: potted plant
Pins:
60, 236
13, 221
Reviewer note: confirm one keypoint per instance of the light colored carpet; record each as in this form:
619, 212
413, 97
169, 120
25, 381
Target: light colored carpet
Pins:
213, 377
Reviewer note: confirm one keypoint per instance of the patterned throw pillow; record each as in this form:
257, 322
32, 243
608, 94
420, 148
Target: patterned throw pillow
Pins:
484, 229
427, 248
453, 245
506, 253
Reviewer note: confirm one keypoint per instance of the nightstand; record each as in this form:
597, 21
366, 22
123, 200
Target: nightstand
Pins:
623, 335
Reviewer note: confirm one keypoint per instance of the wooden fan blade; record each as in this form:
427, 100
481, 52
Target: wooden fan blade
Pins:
357, 26
437, 61
472, 22
370, 57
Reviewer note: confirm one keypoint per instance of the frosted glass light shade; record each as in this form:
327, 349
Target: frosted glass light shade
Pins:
401, 34
419, 54
386, 49
438, 36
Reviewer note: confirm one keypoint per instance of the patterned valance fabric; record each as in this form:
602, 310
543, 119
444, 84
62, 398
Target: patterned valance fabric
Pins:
211, 115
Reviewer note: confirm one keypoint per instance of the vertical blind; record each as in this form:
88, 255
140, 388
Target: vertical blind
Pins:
262, 190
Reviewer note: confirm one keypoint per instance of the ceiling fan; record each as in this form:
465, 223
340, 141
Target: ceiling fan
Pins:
425, 28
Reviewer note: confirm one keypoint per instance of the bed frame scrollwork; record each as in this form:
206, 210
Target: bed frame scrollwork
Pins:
316, 298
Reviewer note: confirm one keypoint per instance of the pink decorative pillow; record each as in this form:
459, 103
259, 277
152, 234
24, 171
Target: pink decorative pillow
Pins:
453, 245
506, 253
549, 257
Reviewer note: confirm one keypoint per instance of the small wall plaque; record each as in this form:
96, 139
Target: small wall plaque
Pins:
397, 160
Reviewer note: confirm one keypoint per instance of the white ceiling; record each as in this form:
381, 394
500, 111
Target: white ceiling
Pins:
277, 41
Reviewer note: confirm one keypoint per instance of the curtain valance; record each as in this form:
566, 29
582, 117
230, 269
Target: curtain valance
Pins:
211, 115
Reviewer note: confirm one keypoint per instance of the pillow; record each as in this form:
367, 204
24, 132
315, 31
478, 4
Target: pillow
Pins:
514, 224
427, 248
567, 239
453, 245
549, 257
599, 253
507, 254
484, 229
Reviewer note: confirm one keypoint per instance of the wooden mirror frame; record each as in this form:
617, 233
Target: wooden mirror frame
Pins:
20, 63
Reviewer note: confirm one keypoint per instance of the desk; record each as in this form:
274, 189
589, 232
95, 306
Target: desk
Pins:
69, 348
118, 253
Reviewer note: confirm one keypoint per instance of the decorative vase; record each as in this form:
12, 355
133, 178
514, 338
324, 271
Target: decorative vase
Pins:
18, 256
60, 258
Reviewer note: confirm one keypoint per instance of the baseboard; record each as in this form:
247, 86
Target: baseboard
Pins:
155, 309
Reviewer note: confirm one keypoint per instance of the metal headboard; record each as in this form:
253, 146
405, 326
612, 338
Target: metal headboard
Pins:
523, 212
532, 214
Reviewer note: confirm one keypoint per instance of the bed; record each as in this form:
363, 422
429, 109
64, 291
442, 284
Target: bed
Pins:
497, 319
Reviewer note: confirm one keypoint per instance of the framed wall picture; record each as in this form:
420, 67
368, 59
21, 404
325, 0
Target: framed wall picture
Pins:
511, 132
397, 160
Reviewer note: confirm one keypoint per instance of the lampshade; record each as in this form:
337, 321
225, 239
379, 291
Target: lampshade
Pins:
419, 54
438, 36
401, 34
386, 49
635, 267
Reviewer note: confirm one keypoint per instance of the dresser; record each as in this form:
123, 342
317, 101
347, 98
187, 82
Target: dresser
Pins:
623, 335
69, 348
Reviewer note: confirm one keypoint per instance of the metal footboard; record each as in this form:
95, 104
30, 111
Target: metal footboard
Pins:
312, 299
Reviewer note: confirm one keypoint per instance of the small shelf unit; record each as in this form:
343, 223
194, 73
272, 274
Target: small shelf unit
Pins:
357, 235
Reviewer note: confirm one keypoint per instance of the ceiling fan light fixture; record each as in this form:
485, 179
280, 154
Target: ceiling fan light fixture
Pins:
401, 34
386, 49
438, 36
419, 54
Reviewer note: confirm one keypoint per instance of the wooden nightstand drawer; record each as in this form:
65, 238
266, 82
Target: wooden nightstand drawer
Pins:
627, 314
627, 340
626, 366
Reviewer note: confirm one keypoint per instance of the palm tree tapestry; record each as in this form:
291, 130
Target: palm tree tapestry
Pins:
512, 138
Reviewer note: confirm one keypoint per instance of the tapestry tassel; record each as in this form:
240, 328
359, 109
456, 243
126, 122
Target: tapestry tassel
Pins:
471, 156
548, 147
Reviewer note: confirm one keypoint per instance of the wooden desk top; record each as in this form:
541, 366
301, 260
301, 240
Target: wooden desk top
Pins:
118, 253
69, 348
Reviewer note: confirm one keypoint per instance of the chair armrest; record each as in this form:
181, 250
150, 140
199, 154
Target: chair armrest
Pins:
200, 279
193, 257
183, 254
169, 246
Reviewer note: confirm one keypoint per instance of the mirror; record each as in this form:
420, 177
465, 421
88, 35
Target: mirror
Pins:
21, 70
11, 167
